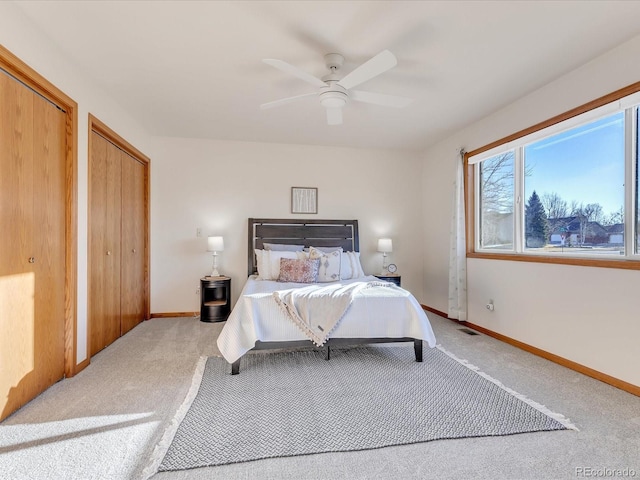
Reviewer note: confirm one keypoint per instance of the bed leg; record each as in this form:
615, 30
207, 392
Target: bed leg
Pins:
235, 367
328, 356
417, 347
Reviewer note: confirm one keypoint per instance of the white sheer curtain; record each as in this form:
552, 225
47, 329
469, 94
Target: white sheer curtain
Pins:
458, 250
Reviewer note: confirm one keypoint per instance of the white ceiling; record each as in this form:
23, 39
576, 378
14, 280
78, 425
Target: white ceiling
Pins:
194, 69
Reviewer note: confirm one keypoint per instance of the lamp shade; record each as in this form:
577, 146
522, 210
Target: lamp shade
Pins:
385, 245
215, 244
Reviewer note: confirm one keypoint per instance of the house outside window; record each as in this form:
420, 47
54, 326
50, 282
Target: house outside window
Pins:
569, 189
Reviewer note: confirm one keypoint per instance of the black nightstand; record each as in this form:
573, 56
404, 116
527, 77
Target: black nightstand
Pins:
215, 299
391, 278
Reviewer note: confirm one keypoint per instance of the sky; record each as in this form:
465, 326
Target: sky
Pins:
585, 164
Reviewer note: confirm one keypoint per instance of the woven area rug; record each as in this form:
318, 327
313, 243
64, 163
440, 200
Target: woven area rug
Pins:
297, 403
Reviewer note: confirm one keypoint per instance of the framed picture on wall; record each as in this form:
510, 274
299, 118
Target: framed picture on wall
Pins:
304, 200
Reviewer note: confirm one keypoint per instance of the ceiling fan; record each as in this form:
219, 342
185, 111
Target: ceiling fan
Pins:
335, 92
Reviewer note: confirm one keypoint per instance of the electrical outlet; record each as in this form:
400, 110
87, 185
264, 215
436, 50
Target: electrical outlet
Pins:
197, 291
198, 231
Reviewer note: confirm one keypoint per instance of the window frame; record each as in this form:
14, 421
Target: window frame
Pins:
630, 260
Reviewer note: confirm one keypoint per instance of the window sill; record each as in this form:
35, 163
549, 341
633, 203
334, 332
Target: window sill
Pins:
621, 263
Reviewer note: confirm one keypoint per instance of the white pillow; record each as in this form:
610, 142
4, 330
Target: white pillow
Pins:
269, 263
329, 270
328, 249
351, 266
281, 247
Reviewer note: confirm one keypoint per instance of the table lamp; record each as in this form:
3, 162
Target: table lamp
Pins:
215, 245
385, 245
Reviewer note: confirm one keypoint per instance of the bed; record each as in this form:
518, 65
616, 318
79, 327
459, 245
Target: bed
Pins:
379, 312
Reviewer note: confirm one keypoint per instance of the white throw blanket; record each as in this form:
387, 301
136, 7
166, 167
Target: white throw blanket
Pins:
318, 309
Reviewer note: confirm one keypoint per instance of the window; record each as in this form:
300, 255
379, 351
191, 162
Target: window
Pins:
496, 201
561, 190
574, 190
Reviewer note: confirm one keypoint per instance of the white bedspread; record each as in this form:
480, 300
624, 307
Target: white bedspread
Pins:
375, 312
318, 308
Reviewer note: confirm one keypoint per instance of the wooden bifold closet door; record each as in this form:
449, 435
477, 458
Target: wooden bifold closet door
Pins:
132, 273
32, 257
117, 243
104, 295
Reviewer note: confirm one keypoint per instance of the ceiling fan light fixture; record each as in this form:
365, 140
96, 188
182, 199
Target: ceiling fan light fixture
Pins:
333, 99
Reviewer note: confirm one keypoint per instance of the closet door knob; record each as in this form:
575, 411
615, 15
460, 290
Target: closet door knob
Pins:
32, 259
134, 250
108, 252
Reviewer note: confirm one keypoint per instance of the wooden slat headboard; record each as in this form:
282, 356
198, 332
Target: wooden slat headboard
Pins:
317, 233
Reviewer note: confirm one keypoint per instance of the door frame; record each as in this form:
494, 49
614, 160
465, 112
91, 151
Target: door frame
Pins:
100, 128
36, 82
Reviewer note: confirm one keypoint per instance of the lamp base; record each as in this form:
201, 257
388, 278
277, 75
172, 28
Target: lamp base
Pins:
214, 272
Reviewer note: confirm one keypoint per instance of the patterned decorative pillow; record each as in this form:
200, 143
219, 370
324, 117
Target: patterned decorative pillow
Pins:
268, 263
299, 271
329, 270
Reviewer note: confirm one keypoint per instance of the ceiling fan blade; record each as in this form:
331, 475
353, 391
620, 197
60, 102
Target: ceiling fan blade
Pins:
379, 99
382, 62
334, 116
295, 71
284, 101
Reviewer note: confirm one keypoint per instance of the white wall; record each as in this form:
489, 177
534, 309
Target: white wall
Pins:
218, 185
18, 35
587, 315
